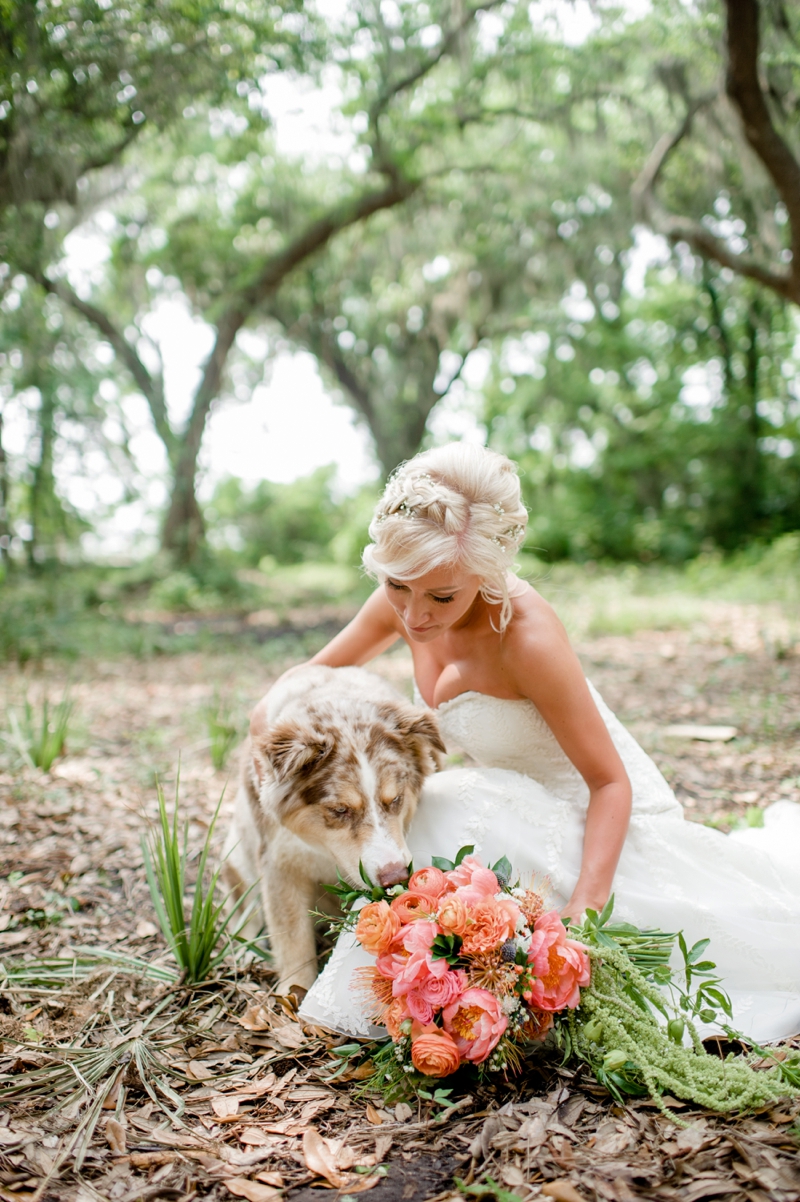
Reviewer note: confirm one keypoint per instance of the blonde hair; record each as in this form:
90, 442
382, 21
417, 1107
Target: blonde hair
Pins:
454, 505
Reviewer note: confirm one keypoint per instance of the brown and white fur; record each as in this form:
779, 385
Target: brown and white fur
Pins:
333, 783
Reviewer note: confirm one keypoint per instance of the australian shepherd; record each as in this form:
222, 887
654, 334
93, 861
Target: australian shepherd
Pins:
331, 785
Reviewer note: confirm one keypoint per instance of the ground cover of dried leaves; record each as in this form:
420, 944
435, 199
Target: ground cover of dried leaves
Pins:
254, 1114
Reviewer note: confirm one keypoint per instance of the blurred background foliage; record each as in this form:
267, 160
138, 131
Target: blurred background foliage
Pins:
567, 220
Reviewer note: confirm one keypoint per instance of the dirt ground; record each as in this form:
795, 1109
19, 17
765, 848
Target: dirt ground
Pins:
253, 1114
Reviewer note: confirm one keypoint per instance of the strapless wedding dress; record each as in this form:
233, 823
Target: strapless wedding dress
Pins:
527, 801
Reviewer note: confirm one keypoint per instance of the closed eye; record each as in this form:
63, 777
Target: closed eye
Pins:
445, 600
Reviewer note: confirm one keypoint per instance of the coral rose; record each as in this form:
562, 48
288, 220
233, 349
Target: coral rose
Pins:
376, 927
410, 906
453, 914
430, 881
490, 925
441, 991
433, 1052
561, 965
474, 882
395, 1013
476, 1022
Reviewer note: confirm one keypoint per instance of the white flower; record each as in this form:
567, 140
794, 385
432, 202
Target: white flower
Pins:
510, 1003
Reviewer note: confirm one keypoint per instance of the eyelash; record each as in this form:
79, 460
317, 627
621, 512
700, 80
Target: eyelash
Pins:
441, 600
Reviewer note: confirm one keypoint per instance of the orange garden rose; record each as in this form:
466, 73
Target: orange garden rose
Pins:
430, 881
433, 1051
489, 927
376, 927
453, 914
409, 906
395, 1014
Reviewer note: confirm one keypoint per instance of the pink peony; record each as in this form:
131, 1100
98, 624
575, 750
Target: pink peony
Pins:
476, 1022
463, 874
441, 991
430, 881
418, 937
561, 965
376, 927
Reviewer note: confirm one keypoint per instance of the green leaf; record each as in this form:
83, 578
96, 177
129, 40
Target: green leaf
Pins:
464, 851
363, 875
607, 911
697, 950
442, 863
503, 868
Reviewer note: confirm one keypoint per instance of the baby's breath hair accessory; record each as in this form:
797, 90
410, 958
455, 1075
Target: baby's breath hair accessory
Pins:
498, 508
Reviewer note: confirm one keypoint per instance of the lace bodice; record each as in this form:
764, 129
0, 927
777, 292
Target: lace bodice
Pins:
501, 733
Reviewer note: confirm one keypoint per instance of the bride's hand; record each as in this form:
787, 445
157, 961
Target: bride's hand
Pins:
577, 906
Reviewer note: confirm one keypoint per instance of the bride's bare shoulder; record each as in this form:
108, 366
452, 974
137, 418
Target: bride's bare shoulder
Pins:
535, 626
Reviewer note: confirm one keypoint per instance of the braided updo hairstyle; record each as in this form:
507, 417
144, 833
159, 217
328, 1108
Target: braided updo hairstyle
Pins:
457, 505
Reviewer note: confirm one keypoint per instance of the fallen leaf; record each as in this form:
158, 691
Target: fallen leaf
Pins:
115, 1134
199, 1071
224, 1107
403, 1112
145, 928
382, 1145
319, 1160
256, 1018
270, 1178
256, 1137
291, 1035
562, 1190
253, 1191
373, 1116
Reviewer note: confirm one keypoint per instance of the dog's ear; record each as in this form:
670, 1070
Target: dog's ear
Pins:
415, 725
294, 749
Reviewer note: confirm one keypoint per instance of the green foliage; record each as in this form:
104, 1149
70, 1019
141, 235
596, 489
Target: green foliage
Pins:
194, 933
39, 733
223, 731
289, 523
663, 429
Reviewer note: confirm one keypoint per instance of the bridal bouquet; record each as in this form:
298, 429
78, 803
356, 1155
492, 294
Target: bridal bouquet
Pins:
474, 972
466, 967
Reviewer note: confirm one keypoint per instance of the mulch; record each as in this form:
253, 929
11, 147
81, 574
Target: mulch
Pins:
244, 1106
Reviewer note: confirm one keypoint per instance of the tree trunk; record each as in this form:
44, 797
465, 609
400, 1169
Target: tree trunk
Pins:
5, 529
183, 532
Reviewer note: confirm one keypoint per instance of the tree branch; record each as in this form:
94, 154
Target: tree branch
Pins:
746, 94
150, 386
272, 274
744, 89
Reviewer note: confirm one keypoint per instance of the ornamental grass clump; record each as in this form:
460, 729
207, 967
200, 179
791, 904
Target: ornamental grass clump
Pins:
39, 736
197, 932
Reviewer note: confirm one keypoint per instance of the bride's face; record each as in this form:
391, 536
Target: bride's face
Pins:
428, 605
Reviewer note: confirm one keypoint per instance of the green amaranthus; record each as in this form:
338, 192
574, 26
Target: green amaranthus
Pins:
630, 1051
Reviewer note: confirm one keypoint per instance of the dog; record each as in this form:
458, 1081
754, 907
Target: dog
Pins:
331, 785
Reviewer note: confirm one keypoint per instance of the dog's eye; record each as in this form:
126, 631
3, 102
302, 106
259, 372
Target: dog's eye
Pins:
395, 802
339, 811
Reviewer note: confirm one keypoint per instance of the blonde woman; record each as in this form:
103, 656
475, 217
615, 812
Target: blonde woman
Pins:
563, 789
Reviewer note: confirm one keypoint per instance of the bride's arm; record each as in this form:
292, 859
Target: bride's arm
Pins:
546, 669
372, 630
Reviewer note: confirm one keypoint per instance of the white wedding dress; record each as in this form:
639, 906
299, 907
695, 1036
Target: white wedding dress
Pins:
528, 802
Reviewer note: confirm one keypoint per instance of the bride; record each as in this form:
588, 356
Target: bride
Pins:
563, 789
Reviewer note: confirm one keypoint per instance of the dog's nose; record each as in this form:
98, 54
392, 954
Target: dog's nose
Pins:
392, 874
